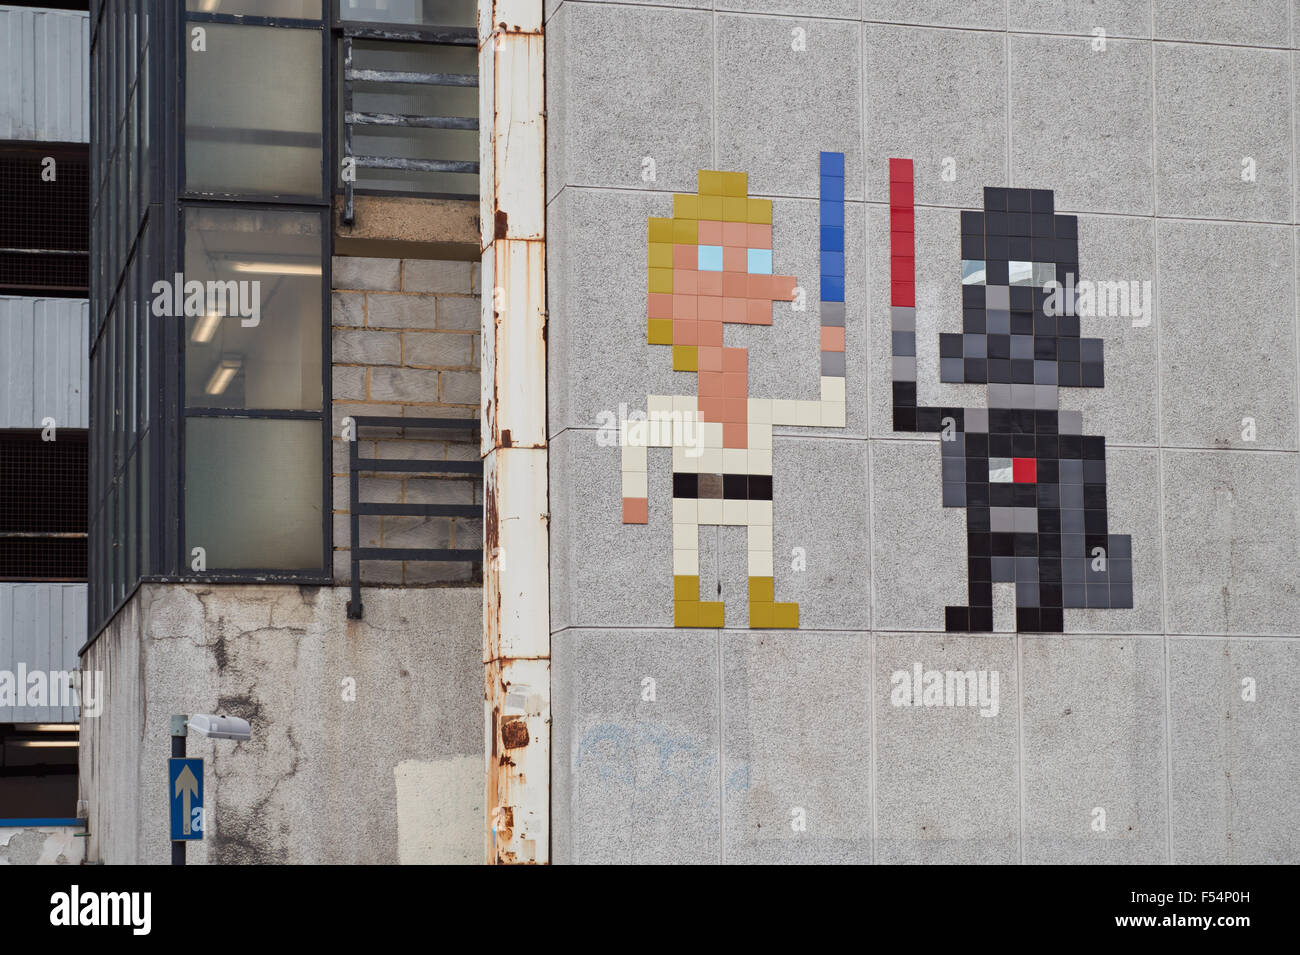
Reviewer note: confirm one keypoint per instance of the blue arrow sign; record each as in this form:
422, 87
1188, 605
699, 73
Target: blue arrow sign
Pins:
185, 793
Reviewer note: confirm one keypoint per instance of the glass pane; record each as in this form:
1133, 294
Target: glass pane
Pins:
459, 102
291, 9
253, 111
442, 13
253, 493
267, 266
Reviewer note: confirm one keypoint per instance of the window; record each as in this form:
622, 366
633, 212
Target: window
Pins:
442, 13
43, 492
253, 490
253, 111
288, 9
44, 221
257, 343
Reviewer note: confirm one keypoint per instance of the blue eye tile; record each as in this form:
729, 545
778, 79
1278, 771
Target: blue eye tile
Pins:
760, 261
711, 258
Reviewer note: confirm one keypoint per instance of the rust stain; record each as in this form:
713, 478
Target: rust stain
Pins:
501, 225
514, 732
505, 437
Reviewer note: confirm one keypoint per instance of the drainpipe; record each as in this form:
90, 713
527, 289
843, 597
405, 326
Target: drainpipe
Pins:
516, 583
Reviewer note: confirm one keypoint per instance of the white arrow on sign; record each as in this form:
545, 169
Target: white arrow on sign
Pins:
187, 784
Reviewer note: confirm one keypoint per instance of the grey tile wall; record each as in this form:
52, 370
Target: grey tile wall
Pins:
1158, 733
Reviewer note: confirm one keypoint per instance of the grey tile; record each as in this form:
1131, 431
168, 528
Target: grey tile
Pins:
1081, 122
1117, 256
946, 776
1234, 762
820, 537
780, 107
605, 572
838, 9
1115, 17
1227, 341
1201, 146
793, 797
634, 83
635, 780
918, 547
1230, 542
986, 14
1093, 736
1245, 22
1133, 500
935, 95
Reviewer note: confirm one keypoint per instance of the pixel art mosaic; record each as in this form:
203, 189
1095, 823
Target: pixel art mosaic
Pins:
1032, 482
710, 264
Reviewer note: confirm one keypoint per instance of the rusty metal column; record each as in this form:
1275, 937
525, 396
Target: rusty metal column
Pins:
516, 577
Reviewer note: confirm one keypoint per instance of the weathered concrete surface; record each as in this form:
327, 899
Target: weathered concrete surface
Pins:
326, 777
42, 845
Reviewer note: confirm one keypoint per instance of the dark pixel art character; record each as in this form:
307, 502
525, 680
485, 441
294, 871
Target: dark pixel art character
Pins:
1032, 482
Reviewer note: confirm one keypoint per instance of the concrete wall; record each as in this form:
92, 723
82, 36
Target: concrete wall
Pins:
406, 344
42, 845
1134, 736
367, 735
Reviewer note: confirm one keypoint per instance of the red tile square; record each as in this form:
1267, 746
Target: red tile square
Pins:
636, 510
759, 313
735, 359
832, 338
735, 434
661, 305
1024, 470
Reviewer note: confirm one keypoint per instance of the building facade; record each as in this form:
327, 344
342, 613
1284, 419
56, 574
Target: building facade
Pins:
44, 390
590, 431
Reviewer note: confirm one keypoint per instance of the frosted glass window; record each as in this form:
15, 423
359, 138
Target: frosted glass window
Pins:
270, 261
289, 9
442, 13
253, 493
253, 111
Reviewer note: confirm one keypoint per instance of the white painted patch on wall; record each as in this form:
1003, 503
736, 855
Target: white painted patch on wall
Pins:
440, 811
43, 845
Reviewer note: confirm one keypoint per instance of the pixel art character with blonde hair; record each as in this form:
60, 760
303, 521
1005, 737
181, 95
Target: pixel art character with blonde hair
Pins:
712, 264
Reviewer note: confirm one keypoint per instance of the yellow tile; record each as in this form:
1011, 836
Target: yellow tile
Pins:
711, 208
686, 358
735, 210
759, 211
686, 588
735, 184
760, 615
661, 280
685, 231
661, 255
661, 230
661, 331
786, 616
710, 614
710, 182
686, 613
685, 207
761, 590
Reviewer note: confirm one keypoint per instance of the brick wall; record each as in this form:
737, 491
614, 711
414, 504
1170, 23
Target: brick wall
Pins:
406, 343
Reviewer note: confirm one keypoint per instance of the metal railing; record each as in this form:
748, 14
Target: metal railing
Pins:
353, 118
358, 508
